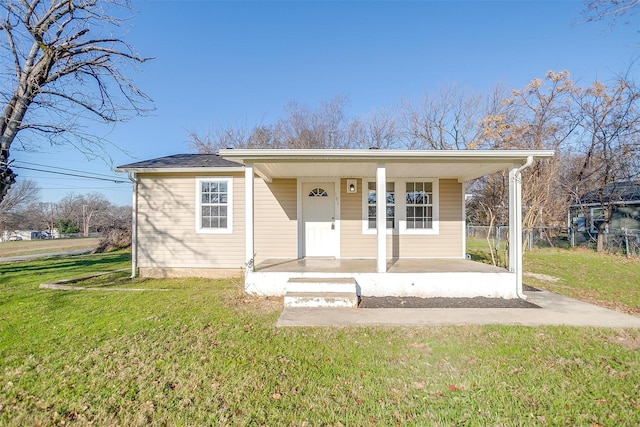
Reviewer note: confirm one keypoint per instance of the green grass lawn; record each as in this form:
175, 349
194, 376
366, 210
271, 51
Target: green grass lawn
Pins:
609, 280
200, 352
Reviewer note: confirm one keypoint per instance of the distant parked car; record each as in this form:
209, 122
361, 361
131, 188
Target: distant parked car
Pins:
14, 238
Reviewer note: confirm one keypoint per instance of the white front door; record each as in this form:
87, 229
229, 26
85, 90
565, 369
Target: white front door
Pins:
318, 212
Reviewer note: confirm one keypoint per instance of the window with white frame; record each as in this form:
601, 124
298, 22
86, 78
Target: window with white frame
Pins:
419, 205
412, 206
214, 205
371, 205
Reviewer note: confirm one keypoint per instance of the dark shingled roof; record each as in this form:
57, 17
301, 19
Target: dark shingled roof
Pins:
615, 192
183, 161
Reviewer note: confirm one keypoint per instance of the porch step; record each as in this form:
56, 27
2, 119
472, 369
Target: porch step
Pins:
321, 292
321, 299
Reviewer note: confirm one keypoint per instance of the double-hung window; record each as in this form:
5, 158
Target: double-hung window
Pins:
214, 205
419, 205
371, 205
412, 206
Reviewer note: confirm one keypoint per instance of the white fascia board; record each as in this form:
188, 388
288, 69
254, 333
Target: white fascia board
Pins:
182, 170
380, 155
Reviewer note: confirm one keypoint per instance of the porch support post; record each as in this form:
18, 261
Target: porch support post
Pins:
381, 217
248, 215
515, 227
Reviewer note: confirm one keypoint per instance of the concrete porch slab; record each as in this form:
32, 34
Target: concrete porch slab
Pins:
404, 265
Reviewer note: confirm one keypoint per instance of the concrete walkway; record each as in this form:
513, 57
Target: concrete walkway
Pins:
555, 310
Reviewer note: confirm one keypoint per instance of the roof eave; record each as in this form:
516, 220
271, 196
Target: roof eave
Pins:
249, 155
194, 169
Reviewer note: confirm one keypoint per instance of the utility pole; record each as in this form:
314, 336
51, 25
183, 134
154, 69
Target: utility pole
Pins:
51, 227
84, 221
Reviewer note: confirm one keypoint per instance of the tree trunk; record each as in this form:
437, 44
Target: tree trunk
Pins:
602, 237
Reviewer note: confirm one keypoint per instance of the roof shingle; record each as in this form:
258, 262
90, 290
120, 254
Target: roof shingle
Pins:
183, 161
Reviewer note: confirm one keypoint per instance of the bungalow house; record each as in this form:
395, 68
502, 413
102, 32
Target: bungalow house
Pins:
311, 221
621, 199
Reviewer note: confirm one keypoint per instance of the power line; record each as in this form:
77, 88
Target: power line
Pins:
64, 169
51, 178
117, 181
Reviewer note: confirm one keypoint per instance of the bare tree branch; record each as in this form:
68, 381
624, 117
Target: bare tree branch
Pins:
58, 53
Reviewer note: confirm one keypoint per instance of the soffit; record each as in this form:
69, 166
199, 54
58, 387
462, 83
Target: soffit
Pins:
458, 164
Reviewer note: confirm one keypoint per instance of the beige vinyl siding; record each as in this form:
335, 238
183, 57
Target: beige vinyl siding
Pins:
167, 235
447, 243
275, 216
354, 243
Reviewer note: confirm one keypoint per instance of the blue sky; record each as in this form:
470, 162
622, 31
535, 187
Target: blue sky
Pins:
223, 63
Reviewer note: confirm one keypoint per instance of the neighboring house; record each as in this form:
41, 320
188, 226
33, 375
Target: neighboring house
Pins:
621, 199
309, 220
30, 234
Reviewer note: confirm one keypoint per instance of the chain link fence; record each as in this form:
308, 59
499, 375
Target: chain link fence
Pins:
625, 242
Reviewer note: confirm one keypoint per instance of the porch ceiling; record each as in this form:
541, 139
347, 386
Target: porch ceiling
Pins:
462, 165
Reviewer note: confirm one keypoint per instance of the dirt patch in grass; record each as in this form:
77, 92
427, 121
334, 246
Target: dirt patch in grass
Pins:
414, 302
544, 277
626, 340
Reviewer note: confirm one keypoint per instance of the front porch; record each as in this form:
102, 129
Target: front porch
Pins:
424, 278
381, 219
405, 265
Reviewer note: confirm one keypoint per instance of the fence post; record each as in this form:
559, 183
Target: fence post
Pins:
626, 241
572, 237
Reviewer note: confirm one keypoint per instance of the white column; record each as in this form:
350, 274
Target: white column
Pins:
248, 215
515, 227
381, 218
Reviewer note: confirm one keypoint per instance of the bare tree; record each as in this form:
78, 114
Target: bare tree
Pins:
448, 120
94, 210
377, 130
211, 142
22, 194
302, 127
539, 116
17, 200
609, 149
597, 10
322, 127
62, 65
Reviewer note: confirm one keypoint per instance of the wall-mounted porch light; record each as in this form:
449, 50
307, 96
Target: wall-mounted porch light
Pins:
352, 186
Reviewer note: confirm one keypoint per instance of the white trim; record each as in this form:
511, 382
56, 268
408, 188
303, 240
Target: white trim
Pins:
229, 228
249, 217
375, 156
365, 208
402, 219
300, 216
381, 218
515, 227
400, 189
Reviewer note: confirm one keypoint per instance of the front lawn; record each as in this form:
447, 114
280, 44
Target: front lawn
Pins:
609, 280
200, 352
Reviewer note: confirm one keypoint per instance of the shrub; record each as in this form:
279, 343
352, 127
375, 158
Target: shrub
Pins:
115, 238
